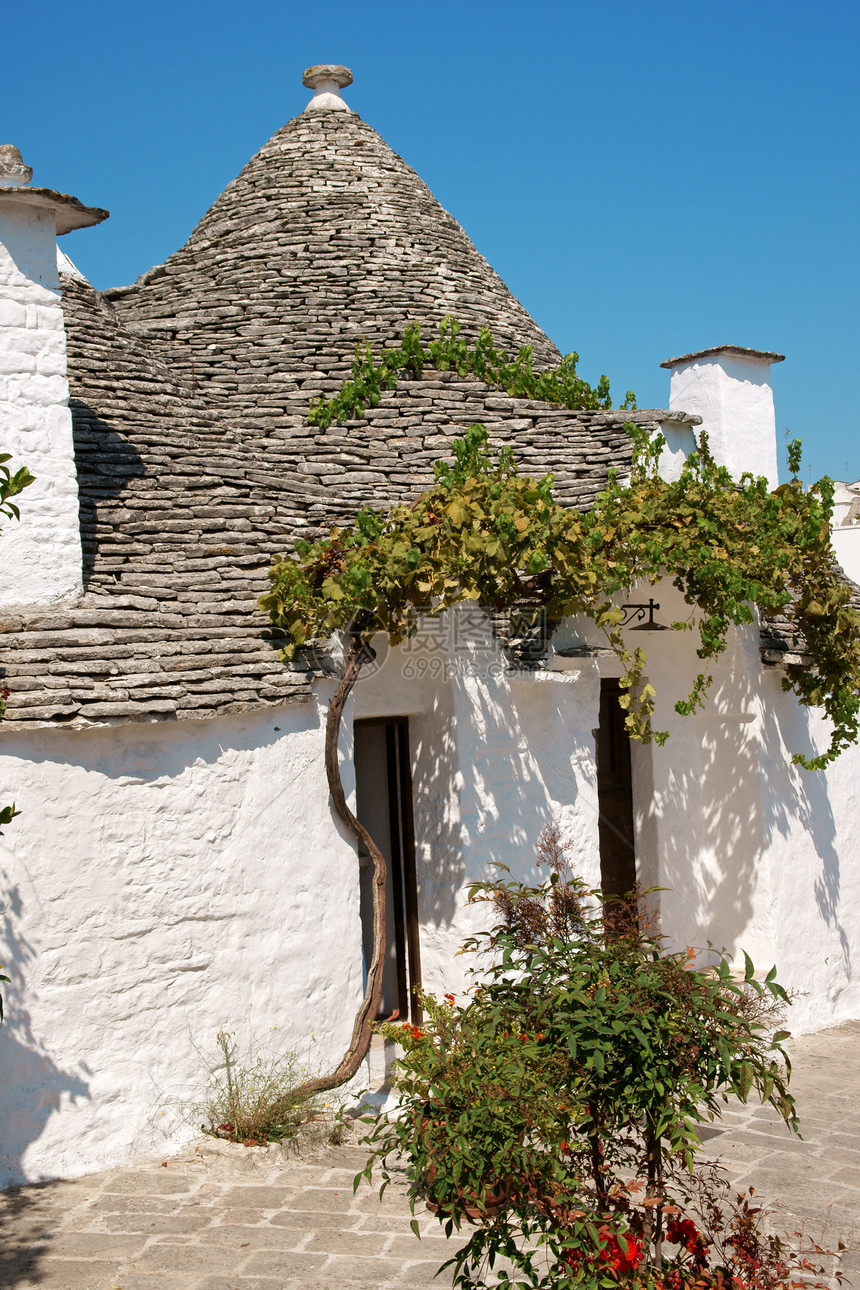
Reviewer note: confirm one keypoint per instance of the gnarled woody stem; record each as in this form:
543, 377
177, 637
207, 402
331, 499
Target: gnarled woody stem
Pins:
360, 1041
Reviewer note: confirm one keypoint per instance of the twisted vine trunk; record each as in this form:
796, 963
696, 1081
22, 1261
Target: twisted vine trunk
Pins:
360, 1040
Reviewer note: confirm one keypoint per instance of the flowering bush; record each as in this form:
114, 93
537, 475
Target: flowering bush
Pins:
557, 1108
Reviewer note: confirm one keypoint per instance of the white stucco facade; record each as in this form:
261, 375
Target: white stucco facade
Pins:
164, 881
846, 544
161, 882
752, 852
42, 552
496, 757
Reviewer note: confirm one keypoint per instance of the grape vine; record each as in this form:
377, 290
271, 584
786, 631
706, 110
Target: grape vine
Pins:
483, 532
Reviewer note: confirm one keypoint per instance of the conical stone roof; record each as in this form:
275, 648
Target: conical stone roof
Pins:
325, 237
196, 462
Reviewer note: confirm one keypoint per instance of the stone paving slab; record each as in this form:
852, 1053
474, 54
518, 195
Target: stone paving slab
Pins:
222, 1217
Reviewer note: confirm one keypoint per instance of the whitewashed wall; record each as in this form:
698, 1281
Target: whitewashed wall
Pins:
164, 881
161, 882
495, 758
846, 544
42, 552
752, 852
167, 880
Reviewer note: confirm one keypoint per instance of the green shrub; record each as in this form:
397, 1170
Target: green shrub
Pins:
557, 1109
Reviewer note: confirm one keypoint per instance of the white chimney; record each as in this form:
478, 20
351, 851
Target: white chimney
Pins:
729, 388
41, 553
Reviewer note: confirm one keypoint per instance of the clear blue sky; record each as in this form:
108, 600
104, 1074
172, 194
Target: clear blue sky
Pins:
648, 178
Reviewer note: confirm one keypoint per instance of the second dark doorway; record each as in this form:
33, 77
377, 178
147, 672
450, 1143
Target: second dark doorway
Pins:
615, 796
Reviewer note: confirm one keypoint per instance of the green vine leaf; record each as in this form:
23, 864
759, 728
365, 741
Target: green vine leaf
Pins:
452, 352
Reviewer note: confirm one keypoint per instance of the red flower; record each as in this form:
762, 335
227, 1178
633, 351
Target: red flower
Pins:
684, 1232
621, 1259
449, 998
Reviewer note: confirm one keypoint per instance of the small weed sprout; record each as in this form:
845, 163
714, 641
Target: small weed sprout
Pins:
249, 1097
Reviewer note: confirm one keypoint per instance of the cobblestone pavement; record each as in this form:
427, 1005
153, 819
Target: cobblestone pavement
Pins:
220, 1217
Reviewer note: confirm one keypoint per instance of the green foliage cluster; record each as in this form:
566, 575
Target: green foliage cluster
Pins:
11, 485
453, 353
7, 815
558, 1108
485, 533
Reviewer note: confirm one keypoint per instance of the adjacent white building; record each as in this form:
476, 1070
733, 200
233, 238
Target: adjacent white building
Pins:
846, 528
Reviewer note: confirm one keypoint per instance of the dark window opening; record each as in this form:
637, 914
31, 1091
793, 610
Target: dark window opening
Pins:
384, 807
615, 796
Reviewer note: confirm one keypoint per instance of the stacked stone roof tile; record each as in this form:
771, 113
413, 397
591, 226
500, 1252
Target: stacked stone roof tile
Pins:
326, 238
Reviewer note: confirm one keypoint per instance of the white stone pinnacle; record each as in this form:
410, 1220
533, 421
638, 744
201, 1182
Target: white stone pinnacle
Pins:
13, 172
326, 80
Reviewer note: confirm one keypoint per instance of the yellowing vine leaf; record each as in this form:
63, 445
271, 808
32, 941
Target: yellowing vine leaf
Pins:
484, 533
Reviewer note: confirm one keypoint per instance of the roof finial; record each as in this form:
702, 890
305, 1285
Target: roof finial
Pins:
13, 172
326, 79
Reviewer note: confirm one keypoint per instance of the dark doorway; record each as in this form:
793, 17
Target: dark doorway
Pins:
615, 796
383, 784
